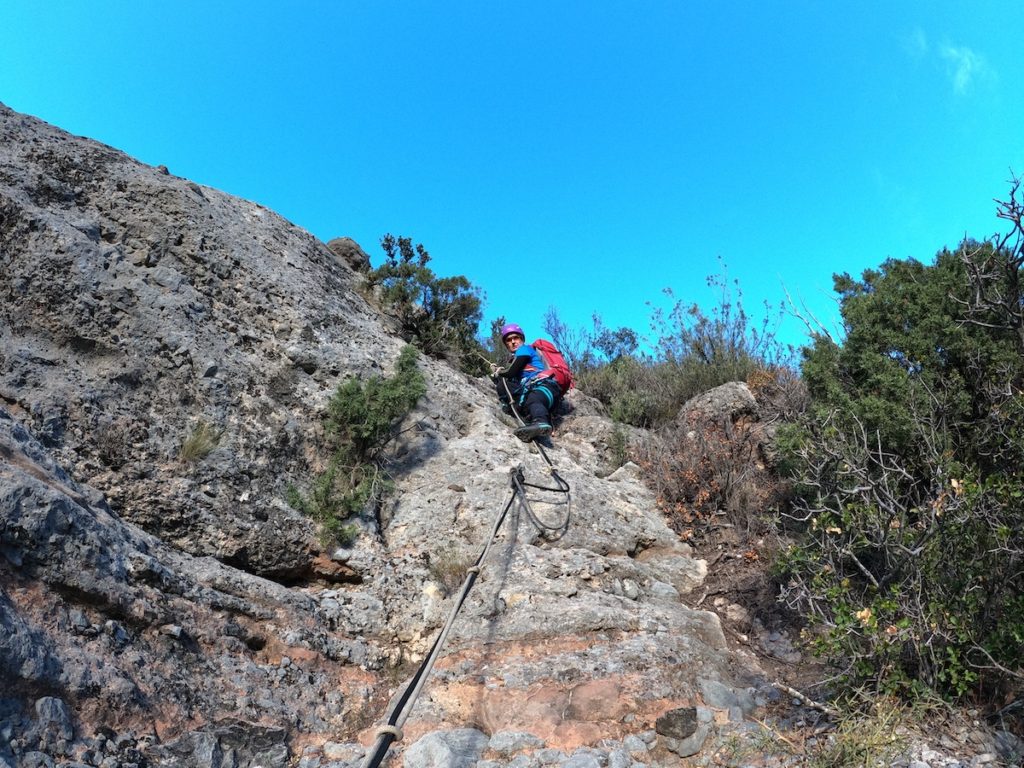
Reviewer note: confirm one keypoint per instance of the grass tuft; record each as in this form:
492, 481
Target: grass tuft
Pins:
200, 442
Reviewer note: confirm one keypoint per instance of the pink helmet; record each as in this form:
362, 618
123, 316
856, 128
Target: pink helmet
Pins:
509, 328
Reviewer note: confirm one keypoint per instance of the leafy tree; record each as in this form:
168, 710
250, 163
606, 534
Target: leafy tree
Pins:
617, 344
439, 315
908, 470
909, 358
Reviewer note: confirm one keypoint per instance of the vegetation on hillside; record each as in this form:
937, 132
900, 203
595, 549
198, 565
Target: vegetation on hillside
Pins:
896, 478
690, 351
899, 484
909, 475
361, 420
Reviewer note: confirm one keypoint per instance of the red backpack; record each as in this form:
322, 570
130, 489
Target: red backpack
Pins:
555, 363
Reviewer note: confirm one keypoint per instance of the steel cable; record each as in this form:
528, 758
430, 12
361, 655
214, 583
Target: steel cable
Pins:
392, 730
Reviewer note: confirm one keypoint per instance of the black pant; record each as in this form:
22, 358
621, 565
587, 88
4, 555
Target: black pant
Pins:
537, 401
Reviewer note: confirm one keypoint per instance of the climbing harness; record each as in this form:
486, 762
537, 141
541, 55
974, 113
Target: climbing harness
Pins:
392, 730
524, 390
563, 487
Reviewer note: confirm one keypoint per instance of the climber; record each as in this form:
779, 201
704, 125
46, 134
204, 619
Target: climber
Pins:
531, 381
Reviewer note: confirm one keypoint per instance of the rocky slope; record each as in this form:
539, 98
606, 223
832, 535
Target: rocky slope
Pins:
163, 611
183, 606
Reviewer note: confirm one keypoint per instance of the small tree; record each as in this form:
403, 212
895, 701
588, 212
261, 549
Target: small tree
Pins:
439, 315
361, 420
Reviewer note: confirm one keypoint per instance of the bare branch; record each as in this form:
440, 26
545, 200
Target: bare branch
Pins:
813, 325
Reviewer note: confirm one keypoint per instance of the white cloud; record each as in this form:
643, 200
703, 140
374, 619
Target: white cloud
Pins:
965, 67
917, 43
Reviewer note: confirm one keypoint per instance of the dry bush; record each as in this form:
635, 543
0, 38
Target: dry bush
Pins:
780, 392
874, 734
115, 440
449, 568
705, 469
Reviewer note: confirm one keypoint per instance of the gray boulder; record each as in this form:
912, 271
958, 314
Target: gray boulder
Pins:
349, 251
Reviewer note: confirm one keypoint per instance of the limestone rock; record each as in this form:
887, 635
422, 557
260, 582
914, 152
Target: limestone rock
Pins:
136, 307
726, 403
461, 748
349, 251
732, 410
184, 612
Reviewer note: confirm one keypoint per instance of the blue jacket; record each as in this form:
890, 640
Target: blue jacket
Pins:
534, 363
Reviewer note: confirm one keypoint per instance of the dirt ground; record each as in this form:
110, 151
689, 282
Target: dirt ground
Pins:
741, 590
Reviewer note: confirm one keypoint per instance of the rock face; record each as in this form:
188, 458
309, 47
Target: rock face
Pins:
162, 608
136, 306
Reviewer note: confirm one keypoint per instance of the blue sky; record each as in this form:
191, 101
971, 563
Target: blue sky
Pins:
580, 155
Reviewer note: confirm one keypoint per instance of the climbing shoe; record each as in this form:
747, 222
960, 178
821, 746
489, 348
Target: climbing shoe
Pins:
533, 431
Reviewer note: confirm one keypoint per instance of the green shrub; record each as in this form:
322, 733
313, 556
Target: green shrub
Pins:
909, 584
632, 391
361, 415
907, 481
361, 420
618, 444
